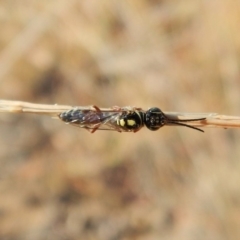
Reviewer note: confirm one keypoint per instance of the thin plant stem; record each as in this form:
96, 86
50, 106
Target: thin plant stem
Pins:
212, 119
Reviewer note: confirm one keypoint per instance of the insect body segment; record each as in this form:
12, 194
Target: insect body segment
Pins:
131, 121
155, 119
88, 119
124, 119
78, 116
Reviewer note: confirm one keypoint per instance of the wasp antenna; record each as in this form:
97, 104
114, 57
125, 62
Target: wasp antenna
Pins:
188, 120
183, 124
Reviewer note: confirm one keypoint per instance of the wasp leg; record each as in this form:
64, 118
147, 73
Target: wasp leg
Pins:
92, 130
88, 129
137, 130
135, 108
127, 108
95, 108
117, 108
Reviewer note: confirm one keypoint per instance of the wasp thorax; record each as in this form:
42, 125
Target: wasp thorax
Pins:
131, 121
154, 119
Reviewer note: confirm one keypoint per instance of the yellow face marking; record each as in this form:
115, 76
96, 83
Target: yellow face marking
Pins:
131, 122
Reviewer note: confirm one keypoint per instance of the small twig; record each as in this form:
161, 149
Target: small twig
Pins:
26, 107
212, 119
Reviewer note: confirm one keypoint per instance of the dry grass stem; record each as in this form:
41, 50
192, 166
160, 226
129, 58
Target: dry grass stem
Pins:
212, 119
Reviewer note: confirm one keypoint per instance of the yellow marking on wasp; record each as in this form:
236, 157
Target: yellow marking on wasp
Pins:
131, 122
121, 122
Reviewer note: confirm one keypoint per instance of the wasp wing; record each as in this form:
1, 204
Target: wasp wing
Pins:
93, 120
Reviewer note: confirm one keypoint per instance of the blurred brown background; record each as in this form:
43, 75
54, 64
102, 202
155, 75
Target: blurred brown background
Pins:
60, 182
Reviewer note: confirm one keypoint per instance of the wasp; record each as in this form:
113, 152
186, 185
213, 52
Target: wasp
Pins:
125, 119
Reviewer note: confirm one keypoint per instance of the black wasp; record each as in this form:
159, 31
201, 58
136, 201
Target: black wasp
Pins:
126, 119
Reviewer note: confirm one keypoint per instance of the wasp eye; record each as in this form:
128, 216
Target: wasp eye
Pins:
154, 119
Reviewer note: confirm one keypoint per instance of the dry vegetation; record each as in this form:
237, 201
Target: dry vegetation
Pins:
58, 182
